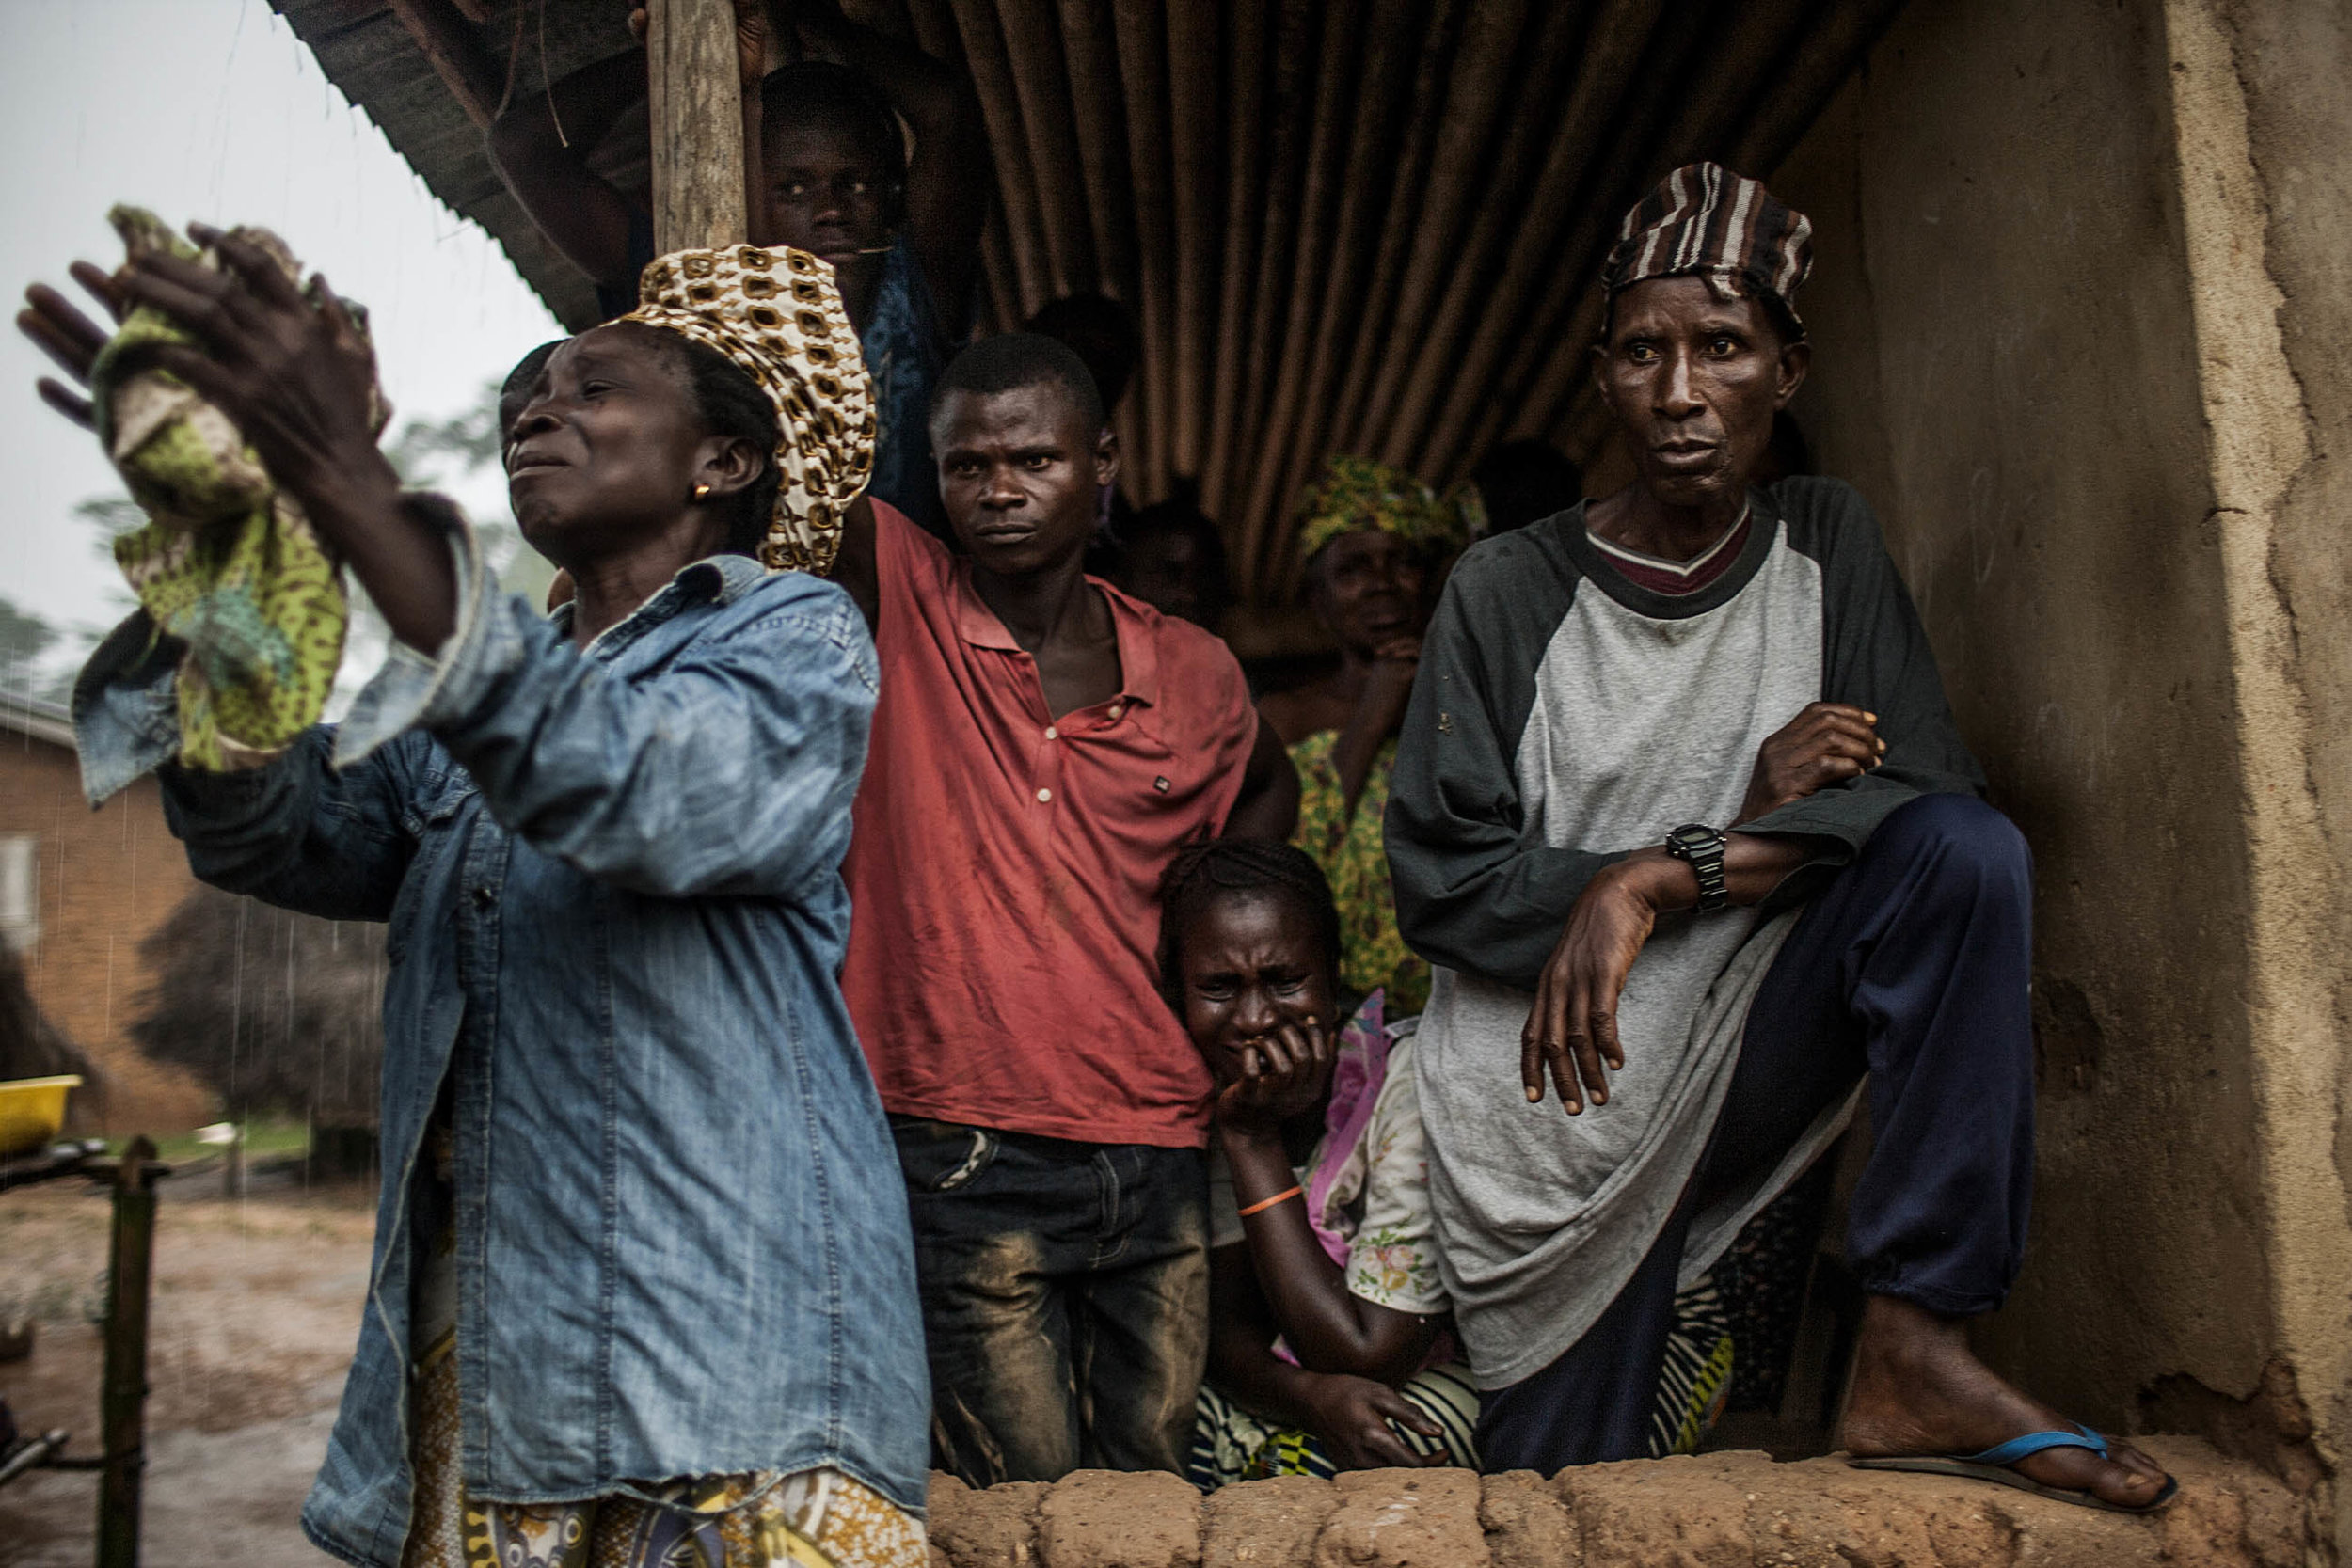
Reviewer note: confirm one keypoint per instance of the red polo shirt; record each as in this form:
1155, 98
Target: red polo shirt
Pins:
1005, 870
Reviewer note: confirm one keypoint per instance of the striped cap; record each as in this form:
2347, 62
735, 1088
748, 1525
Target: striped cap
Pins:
1704, 220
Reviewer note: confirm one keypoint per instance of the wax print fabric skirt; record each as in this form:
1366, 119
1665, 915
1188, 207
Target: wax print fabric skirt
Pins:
1230, 1444
758, 1519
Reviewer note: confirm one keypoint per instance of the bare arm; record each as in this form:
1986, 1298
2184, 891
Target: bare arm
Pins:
855, 568
1268, 804
296, 381
1350, 1414
1573, 1024
1329, 1327
1378, 714
541, 150
948, 180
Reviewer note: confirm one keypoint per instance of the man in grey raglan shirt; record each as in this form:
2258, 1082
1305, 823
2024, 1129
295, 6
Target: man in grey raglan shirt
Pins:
1681, 815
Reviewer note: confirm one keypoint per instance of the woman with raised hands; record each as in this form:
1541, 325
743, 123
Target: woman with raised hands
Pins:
642, 1280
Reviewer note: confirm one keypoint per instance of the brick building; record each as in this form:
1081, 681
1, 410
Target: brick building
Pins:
80, 890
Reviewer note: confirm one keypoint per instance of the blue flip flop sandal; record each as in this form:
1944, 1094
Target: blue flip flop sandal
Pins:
1994, 1464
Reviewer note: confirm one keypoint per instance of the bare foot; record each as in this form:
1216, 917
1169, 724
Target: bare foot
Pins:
1917, 1389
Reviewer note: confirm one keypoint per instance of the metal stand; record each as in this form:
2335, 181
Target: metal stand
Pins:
123, 1395
122, 1399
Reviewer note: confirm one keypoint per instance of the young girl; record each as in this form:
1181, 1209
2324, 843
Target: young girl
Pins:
1327, 1346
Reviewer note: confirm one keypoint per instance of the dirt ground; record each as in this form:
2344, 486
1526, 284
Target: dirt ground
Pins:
257, 1306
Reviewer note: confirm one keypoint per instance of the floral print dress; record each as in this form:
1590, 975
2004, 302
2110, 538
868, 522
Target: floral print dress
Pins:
1355, 858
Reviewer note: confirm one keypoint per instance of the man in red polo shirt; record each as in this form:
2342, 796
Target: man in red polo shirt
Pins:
1042, 748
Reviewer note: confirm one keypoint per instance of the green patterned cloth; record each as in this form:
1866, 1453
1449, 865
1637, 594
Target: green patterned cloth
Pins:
226, 562
1348, 845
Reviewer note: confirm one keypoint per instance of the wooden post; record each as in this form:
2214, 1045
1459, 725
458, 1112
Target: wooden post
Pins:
122, 1398
697, 113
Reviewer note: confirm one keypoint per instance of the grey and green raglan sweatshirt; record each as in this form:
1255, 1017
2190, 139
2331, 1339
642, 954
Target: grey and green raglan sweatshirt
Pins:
1564, 717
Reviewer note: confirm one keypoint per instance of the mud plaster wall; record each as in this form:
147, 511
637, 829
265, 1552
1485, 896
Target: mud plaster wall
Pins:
107, 879
2005, 365
2262, 99
2295, 63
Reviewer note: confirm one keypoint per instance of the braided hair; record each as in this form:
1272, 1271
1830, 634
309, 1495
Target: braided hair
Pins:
1205, 872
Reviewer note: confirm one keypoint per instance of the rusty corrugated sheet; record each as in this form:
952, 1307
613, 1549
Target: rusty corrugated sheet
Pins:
1362, 225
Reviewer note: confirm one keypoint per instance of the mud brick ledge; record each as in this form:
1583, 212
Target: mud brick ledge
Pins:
1717, 1510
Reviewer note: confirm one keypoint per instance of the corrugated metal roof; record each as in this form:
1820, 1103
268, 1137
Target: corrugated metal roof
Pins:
1343, 224
36, 718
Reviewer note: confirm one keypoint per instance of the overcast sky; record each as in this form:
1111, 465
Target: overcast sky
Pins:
211, 109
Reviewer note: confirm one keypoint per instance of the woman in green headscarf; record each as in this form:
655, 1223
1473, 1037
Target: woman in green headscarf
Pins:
1373, 540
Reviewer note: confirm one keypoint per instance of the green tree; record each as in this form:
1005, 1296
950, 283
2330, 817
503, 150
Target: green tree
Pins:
25, 639
275, 1011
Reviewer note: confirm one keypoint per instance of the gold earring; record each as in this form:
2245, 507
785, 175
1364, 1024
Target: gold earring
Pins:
701, 490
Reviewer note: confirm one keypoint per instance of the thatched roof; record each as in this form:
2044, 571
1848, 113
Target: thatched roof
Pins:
1344, 225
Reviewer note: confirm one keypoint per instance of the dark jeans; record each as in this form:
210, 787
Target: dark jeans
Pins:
1913, 965
1065, 1299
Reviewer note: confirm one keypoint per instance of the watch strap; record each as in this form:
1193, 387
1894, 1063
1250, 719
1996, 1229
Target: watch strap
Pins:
1702, 847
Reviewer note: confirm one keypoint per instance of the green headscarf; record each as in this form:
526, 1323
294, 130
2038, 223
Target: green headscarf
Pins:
1356, 491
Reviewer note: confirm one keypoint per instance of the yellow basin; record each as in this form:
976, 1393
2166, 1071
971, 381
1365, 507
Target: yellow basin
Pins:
32, 1111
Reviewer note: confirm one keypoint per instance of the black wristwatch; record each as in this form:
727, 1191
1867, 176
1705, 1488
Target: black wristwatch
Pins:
1702, 847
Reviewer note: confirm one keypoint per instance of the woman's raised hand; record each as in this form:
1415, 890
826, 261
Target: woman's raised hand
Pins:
299, 380
68, 337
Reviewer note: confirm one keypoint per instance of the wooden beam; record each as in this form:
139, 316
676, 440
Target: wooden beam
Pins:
1435, 183
447, 40
697, 120
991, 68
1388, 118
1266, 289
1193, 67
1143, 79
1245, 182
1444, 281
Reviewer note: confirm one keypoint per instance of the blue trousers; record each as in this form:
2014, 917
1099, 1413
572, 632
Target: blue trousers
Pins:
1911, 965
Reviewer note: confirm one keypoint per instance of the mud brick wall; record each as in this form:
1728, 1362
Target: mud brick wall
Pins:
1719, 1510
108, 878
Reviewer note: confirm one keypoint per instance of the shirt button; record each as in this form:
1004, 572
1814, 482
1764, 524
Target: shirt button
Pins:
1118, 709
1044, 795
485, 895
1053, 733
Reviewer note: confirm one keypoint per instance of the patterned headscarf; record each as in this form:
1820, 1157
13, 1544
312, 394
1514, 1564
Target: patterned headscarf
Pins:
1355, 492
1704, 220
776, 316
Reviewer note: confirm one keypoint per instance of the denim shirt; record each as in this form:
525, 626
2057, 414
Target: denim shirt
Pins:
617, 918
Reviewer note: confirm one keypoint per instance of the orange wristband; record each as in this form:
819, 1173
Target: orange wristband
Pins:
1265, 1203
